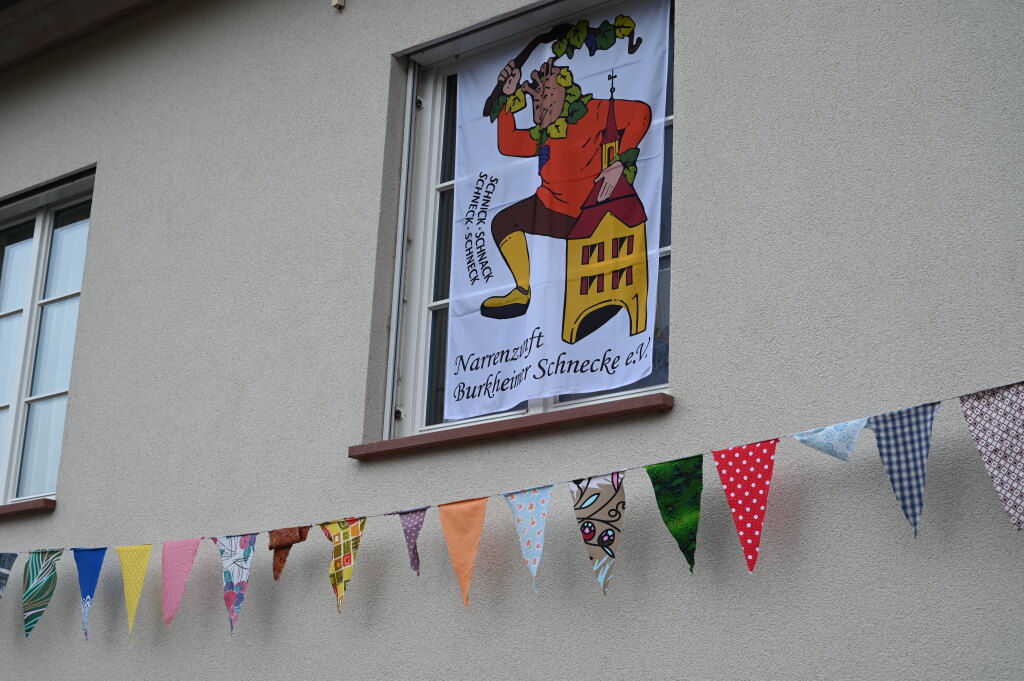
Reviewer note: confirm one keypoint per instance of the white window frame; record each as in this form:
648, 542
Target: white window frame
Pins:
41, 207
429, 67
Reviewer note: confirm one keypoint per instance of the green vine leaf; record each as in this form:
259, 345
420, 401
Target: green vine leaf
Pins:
624, 26
559, 47
629, 173
578, 34
577, 110
499, 103
573, 92
605, 36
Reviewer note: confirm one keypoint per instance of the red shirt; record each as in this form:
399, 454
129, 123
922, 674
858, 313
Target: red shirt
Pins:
575, 161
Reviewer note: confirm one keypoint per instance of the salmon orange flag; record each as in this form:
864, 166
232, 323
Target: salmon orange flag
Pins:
134, 561
463, 522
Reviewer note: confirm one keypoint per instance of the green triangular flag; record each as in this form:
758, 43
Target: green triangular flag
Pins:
677, 486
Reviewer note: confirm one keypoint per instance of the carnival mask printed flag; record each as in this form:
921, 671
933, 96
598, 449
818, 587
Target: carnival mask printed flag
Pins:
746, 474
996, 420
463, 522
6, 563
412, 523
89, 563
904, 439
558, 175
281, 542
530, 508
836, 440
346, 535
176, 561
236, 557
677, 486
599, 504
134, 560
40, 581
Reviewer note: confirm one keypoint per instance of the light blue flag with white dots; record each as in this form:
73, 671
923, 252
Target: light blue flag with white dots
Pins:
836, 440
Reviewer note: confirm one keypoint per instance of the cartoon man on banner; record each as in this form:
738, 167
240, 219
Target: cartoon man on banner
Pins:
586, 152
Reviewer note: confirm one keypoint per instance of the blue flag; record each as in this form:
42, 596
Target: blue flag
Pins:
89, 563
904, 440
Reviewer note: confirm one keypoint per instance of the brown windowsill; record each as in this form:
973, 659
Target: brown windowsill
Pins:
644, 404
27, 507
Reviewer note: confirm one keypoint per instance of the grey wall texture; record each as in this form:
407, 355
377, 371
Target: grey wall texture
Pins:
847, 216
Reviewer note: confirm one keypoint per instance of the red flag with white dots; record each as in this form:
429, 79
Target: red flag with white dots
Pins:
746, 474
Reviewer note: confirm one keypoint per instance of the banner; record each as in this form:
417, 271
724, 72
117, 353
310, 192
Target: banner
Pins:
558, 174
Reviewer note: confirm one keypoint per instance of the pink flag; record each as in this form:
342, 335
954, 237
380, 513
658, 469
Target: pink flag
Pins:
177, 559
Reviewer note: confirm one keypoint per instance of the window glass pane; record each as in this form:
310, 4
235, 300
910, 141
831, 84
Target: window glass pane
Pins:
67, 251
12, 339
5, 423
52, 369
659, 355
448, 148
438, 359
16, 268
41, 454
443, 251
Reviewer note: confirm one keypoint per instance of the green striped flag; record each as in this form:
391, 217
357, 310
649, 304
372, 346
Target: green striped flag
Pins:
40, 582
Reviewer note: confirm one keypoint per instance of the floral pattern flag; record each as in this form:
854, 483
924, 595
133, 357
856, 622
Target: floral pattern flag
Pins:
996, 420
236, 556
6, 563
40, 582
677, 487
89, 563
746, 474
346, 535
530, 508
281, 542
599, 503
176, 560
836, 440
134, 560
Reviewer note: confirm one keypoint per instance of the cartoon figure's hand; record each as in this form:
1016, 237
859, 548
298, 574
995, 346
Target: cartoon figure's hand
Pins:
509, 78
610, 176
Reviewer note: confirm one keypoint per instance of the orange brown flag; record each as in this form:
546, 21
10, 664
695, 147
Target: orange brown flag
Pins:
463, 522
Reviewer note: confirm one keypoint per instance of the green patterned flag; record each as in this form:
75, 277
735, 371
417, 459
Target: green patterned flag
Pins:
40, 582
677, 486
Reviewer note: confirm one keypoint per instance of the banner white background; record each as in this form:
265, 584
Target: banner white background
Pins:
481, 376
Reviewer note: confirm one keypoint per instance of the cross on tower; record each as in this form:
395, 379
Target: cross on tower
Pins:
612, 77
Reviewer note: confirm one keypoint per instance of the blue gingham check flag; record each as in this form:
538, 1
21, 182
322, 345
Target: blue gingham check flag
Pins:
904, 438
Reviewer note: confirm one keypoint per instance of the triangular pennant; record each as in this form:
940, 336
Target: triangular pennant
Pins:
746, 474
677, 487
346, 535
412, 523
40, 579
599, 503
134, 560
176, 559
236, 557
836, 440
89, 563
996, 420
6, 563
463, 522
530, 508
281, 542
904, 439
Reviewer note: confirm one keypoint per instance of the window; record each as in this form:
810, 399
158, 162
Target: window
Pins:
419, 347
40, 285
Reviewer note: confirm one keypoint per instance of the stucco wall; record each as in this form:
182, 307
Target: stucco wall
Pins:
847, 216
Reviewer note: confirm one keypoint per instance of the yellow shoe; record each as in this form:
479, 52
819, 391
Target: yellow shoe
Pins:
512, 304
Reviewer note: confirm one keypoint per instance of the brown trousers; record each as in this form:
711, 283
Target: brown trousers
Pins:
533, 217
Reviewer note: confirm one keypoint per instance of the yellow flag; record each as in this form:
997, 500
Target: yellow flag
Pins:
134, 560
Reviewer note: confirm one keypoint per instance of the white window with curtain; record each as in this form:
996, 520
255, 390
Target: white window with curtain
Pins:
40, 286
